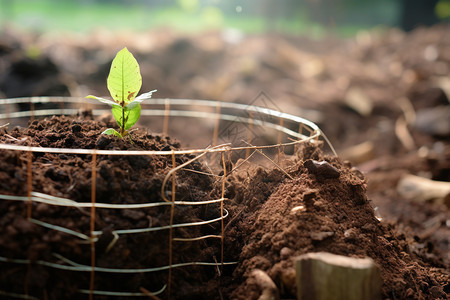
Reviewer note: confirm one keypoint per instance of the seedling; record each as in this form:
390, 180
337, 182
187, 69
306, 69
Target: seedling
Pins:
124, 82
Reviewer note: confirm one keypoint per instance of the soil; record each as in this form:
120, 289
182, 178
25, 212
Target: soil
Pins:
130, 179
273, 219
400, 79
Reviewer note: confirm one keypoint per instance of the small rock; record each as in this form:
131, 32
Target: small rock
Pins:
268, 289
102, 142
299, 208
351, 234
322, 169
285, 253
320, 236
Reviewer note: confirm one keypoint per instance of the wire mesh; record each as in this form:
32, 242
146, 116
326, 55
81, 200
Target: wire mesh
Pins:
233, 129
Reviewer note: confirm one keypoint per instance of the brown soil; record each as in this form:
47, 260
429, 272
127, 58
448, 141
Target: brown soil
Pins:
399, 77
314, 213
130, 179
266, 229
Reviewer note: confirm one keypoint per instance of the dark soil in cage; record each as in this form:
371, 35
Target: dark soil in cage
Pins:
274, 216
120, 180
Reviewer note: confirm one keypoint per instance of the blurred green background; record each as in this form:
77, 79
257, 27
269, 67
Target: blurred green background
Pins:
312, 17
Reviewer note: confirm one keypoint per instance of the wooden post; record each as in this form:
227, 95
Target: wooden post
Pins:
323, 276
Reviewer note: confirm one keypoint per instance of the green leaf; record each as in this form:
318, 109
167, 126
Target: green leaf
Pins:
124, 80
139, 99
117, 114
110, 131
103, 100
131, 116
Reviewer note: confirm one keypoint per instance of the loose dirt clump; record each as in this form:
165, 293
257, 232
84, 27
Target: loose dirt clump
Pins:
320, 211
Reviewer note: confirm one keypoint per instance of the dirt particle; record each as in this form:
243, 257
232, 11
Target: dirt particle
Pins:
309, 197
285, 252
350, 234
437, 292
320, 236
166, 148
358, 173
102, 142
369, 227
76, 128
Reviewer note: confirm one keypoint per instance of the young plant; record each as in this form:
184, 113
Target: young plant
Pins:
124, 82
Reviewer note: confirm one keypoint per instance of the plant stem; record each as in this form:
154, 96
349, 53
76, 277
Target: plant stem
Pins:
122, 129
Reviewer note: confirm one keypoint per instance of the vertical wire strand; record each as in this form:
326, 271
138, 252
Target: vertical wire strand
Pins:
29, 182
61, 106
7, 109
221, 209
317, 135
92, 225
29, 207
172, 210
280, 139
216, 132
300, 132
280, 133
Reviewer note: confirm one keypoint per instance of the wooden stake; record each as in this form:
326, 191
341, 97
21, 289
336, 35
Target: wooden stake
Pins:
323, 276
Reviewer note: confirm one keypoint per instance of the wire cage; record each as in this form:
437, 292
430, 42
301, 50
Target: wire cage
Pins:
217, 131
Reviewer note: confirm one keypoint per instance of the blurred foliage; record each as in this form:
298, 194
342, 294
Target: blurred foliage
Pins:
189, 6
443, 9
313, 17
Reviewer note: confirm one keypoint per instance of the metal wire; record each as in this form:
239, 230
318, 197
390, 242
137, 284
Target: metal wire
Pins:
188, 108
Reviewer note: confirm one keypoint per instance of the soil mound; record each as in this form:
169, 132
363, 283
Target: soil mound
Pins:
323, 208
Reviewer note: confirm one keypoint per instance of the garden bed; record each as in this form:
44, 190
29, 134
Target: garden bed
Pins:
277, 211
397, 76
